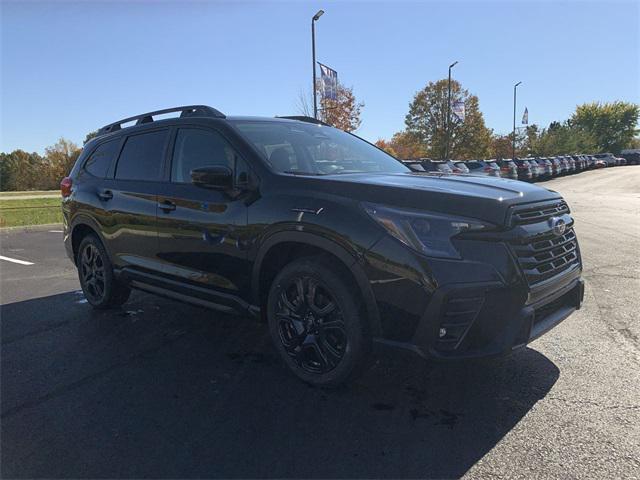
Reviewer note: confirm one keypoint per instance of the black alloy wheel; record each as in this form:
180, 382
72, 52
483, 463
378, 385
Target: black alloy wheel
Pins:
311, 325
101, 289
317, 321
92, 273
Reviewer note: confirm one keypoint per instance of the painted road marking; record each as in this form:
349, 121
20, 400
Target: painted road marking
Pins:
14, 260
55, 231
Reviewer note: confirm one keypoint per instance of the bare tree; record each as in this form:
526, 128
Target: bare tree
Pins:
304, 103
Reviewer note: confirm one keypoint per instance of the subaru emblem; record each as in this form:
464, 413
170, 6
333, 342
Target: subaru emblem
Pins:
558, 226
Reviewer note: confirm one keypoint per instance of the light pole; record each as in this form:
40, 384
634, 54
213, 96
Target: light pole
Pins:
313, 59
513, 149
446, 151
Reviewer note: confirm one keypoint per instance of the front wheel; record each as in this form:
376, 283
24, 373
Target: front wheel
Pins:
100, 287
316, 323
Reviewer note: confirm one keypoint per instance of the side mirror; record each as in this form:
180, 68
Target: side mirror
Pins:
219, 177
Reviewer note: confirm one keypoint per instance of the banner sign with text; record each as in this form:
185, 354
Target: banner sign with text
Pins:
458, 110
329, 79
525, 117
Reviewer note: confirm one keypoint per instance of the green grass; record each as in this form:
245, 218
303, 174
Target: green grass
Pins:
8, 195
32, 211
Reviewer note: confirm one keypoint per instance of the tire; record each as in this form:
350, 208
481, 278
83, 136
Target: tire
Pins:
95, 271
317, 324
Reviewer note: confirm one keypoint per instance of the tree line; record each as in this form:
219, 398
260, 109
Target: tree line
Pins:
592, 128
20, 170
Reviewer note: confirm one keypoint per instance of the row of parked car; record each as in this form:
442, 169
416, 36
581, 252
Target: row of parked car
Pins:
529, 169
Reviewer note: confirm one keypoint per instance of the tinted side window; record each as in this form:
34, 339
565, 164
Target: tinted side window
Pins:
141, 157
100, 160
196, 148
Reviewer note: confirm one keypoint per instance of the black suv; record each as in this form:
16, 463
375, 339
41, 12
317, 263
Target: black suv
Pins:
338, 246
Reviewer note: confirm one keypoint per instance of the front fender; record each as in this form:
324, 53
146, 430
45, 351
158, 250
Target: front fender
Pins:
351, 259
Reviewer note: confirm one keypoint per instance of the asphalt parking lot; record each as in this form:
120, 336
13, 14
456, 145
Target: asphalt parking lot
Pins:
162, 389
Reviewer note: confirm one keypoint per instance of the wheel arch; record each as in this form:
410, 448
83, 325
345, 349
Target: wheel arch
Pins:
80, 228
283, 247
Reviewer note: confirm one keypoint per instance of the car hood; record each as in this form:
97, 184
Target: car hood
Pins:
484, 198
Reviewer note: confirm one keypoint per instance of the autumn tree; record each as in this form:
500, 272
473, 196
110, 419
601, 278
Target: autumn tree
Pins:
60, 159
501, 146
344, 112
526, 139
404, 145
427, 121
386, 146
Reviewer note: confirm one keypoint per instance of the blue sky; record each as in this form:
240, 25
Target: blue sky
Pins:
71, 67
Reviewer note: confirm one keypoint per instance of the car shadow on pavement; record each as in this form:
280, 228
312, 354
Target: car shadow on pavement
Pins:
161, 389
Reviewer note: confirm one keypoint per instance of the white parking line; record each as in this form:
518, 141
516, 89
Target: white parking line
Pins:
14, 260
55, 231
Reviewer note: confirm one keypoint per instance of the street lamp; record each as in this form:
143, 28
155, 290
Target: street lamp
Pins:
446, 152
313, 59
513, 149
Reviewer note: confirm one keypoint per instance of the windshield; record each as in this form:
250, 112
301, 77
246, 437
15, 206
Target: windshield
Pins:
303, 148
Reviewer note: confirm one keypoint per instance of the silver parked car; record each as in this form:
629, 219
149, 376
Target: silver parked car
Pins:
462, 166
488, 168
608, 158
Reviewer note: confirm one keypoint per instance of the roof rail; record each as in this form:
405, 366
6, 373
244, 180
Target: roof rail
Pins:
304, 118
186, 111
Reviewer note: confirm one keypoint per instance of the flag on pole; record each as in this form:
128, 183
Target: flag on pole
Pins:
329, 79
458, 110
525, 117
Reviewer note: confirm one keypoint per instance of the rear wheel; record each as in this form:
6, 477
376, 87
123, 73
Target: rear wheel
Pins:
95, 271
316, 323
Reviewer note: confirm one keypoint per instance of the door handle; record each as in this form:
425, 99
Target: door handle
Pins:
167, 206
106, 195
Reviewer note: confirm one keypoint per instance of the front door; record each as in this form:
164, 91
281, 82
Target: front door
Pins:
201, 230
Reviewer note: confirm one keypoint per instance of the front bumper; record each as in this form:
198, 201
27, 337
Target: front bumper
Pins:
492, 314
488, 331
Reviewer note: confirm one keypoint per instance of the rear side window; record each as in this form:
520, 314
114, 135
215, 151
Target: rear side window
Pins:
195, 148
100, 160
141, 157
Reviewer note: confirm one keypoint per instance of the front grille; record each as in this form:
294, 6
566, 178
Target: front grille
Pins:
546, 256
539, 213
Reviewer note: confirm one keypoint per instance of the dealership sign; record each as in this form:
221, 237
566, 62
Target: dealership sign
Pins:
458, 110
329, 79
525, 116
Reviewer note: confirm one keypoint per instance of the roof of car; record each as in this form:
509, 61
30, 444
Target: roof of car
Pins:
248, 118
189, 112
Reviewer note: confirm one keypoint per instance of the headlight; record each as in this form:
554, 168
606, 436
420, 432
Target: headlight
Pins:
427, 233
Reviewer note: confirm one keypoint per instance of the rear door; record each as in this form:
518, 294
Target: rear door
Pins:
130, 198
202, 230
